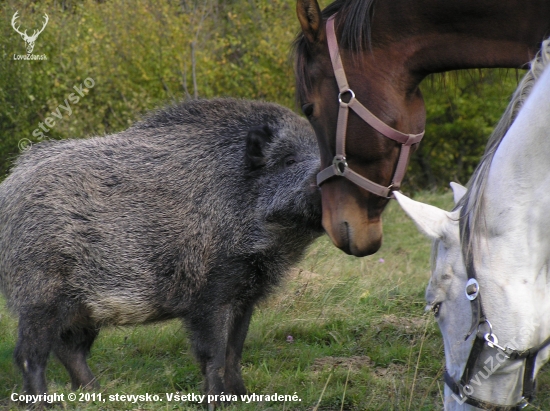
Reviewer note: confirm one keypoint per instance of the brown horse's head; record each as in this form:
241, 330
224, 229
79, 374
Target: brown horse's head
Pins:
377, 73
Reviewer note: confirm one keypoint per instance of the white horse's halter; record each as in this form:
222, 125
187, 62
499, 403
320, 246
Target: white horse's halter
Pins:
339, 165
479, 321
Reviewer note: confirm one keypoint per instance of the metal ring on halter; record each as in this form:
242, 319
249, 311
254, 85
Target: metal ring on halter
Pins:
350, 100
486, 321
339, 161
472, 289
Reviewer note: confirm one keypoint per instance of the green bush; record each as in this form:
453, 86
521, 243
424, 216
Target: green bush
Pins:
462, 111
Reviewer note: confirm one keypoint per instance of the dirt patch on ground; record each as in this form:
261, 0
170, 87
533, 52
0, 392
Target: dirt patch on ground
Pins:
408, 324
392, 371
298, 273
356, 363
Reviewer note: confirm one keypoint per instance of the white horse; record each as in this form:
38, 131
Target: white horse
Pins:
490, 285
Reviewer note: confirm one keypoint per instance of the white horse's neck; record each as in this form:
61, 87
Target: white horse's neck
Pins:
521, 162
517, 223
517, 194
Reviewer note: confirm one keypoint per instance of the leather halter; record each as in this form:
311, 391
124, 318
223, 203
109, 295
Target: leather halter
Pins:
479, 320
339, 165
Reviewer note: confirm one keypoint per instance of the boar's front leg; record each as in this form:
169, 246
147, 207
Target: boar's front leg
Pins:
209, 328
233, 379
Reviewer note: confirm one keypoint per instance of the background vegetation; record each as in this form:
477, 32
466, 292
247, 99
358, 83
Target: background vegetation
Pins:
145, 54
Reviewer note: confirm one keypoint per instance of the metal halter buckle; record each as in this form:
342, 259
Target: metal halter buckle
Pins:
340, 164
492, 341
345, 92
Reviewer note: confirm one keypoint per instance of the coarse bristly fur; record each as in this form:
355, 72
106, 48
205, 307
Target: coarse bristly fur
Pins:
472, 204
195, 213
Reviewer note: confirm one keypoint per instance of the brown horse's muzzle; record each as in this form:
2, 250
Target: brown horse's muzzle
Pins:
347, 222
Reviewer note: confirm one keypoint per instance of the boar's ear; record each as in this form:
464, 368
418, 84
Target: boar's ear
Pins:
256, 141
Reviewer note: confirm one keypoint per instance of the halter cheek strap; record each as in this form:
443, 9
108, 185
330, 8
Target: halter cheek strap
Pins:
339, 165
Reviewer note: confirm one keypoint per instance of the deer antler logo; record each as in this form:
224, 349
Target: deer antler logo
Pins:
28, 39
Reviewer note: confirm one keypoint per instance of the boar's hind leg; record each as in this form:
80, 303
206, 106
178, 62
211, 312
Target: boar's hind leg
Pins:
72, 349
233, 380
37, 330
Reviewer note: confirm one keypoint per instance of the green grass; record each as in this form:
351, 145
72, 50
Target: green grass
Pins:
361, 339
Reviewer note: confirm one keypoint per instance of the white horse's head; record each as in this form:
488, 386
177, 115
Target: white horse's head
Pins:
503, 235
495, 378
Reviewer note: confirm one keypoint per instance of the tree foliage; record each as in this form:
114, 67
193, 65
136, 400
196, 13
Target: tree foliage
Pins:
462, 110
140, 55
145, 54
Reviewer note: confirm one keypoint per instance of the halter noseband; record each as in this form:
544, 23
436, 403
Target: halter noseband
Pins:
339, 165
462, 387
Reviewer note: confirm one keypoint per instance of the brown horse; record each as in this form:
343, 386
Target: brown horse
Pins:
387, 47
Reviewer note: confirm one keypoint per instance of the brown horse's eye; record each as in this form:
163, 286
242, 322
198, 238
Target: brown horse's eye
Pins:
307, 109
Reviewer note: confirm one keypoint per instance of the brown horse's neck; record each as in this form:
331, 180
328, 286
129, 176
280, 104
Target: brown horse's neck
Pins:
439, 35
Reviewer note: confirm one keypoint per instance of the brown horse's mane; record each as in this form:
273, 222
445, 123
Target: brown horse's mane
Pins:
354, 24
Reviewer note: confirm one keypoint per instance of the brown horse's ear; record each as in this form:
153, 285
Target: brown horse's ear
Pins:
256, 141
311, 20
